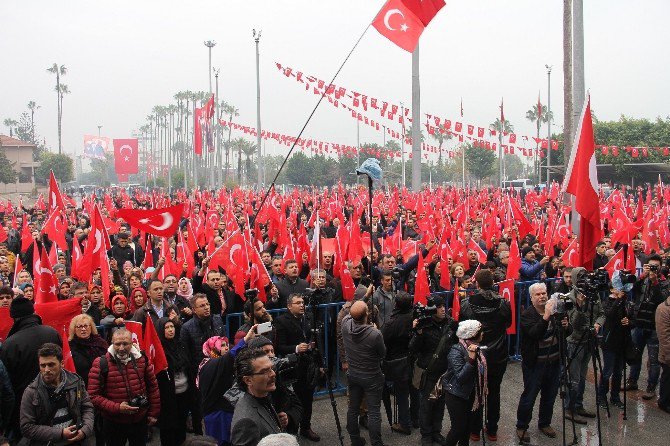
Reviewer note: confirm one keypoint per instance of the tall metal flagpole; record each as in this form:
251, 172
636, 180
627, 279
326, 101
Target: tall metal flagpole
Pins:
416, 122
578, 88
548, 125
259, 149
209, 44
402, 142
217, 139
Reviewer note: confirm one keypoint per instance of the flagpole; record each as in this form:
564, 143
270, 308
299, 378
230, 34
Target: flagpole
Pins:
549, 125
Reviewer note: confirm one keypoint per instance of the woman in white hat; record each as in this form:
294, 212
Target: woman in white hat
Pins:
464, 381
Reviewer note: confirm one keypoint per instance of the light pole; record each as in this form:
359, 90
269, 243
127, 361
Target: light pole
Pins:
217, 153
549, 123
402, 142
259, 150
99, 127
209, 44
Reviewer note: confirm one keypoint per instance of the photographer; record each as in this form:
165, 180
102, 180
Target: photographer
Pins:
123, 389
586, 318
254, 313
495, 315
616, 336
432, 339
540, 366
384, 298
649, 291
292, 335
397, 333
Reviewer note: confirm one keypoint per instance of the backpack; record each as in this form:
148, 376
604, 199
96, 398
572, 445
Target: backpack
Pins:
104, 368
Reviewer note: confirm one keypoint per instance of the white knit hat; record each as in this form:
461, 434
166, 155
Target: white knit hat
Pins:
468, 329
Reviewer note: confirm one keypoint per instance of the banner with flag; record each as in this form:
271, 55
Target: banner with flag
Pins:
126, 156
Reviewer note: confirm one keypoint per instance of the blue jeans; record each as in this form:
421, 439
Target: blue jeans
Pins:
612, 367
579, 357
543, 379
371, 389
645, 337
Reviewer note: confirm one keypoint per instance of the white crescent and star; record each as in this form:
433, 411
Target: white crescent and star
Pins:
165, 224
506, 294
390, 13
232, 251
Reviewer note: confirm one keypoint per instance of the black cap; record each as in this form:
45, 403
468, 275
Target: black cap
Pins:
526, 250
21, 307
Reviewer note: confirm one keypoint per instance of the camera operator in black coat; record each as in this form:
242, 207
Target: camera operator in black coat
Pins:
495, 315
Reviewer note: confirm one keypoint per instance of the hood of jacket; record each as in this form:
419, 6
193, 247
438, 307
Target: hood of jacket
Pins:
359, 331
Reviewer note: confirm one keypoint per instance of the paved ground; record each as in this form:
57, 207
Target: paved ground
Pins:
646, 424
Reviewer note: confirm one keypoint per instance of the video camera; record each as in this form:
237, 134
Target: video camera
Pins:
424, 313
564, 304
286, 369
593, 283
251, 293
397, 273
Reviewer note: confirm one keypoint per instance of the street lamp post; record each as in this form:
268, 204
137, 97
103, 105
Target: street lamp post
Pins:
549, 124
99, 127
209, 44
217, 154
402, 142
259, 149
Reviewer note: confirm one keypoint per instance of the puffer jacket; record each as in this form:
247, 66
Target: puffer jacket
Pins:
530, 270
461, 375
108, 397
36, 415
494, 312
194, 333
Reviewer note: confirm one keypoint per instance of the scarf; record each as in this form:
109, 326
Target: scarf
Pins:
94, 345
482, 380
174, 350
134, 353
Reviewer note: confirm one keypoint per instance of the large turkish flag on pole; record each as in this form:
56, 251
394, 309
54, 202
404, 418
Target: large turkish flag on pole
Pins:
125, 156
581, 180
162, 222
399, 24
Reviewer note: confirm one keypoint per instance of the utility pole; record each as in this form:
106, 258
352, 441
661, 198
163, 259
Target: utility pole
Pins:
99, 127
578, 88
209, 44
548, 124
217, 150
567, 80
402, 142
259, 149
416, 122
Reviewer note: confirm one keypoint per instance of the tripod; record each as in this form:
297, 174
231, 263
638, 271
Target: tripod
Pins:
317, 331
482, 397
597, 364
564, 380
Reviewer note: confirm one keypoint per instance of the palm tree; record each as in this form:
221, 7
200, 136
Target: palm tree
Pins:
11, 125
538, 115
239, 144
33, 107
63, 90
408, 133
502, 127
59, 71
441, 135
249, 150
232, 112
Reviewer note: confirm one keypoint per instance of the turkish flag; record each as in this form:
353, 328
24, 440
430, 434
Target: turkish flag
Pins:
425, 10
616, 262
56, 227
162, 222
126, 156
474, 246
47, 283
54, 314
456, 304
421, 287
153, 348
97, 241
571, 254
259, 278
68, 361
197, 131
399, 24
506, 290
232, 256
136, 329
523, 225
581, 180
514, 264
55, 197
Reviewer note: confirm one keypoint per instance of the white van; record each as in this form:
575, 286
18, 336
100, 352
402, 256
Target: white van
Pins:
522, 183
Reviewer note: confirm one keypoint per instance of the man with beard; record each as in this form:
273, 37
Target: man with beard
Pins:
254, 313
170, 283
123, 389
19, 351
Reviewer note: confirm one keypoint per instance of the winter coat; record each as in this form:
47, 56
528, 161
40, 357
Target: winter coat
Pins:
495, 314
107, 394
233, 303
365, 348
385, 302
6, 398
19, 352
397, 333
141, 313
194, 333
461, 374
615, 334
530, 270
287, 287
580, 319
663, 331
83, 356
533, 329
36, 416
424, 345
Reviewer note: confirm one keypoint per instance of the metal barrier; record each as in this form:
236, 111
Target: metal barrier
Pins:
327, 313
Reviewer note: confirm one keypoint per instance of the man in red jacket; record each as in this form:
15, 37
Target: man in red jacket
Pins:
123, 388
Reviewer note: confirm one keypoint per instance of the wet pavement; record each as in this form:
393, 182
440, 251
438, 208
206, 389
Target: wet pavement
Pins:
646, 425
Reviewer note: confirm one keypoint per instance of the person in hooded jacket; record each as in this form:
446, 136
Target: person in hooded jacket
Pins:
19, 352
495, 315
173, 385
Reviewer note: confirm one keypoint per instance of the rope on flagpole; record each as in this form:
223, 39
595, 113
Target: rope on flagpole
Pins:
309, 118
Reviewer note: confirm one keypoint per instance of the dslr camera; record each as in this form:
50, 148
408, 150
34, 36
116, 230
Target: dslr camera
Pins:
424, 313
563, 304
140, 401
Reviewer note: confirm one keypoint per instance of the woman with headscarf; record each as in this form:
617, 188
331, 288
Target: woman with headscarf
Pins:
28, 290
85, 344
138, 297
117, 317
464, 383
185, 289
173, 384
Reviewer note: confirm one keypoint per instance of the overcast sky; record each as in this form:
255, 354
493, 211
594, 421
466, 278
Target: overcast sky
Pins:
124, 57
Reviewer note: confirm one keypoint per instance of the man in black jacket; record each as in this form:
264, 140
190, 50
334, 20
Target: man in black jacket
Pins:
290, 284
122, 251
292, 335
600, 259
430, 344
19, 351
541, 365
495, 315
220, 300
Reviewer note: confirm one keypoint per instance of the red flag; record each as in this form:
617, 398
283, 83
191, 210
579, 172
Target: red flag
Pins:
399, 24
616, 262
54, 314
76, 255
97, 241
185, 255
445, 253
104, 279
474, 246
55, 197
514, 263
46, 283
197, 131
136, 329
456, 304
425, 10
355, 252
162, 222
55, 228
232, 256
581, 180
523, 225
3, 234
571, 254
126, 156
506, 290
348, 286
68, 361
421, 287
148, 254
259, 275
26, 235
153, 348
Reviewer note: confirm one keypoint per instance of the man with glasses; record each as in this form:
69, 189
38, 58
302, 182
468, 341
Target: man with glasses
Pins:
255, 417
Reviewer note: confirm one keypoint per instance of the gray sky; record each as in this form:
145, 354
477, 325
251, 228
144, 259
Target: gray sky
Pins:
124, 57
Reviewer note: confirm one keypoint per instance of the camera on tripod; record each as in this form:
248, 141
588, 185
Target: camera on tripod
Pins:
424, 313
316, 296
564, 304
397, 273
593, 283
286, 369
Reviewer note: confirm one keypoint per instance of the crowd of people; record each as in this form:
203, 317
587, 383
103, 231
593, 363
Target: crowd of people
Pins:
251, 381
